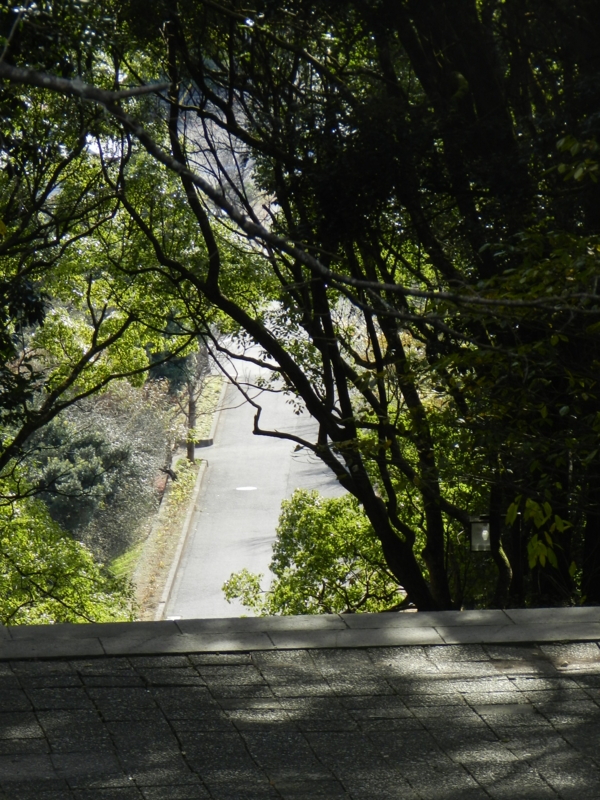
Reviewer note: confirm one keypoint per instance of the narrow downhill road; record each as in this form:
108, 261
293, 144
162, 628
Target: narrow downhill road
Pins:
247, 478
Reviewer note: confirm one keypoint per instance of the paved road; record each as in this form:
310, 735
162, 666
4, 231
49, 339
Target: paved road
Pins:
247, 478
465, 722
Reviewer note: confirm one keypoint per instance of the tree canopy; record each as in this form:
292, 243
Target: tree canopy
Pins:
325, 560
397, 201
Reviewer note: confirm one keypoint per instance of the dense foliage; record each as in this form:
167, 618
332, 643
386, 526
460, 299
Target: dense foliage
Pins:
96, 465
397, 201
46, 576
326, 560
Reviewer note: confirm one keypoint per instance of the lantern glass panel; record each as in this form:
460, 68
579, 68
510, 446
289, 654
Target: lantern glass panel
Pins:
480, 535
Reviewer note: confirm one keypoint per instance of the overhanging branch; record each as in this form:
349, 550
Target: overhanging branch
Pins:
111, 101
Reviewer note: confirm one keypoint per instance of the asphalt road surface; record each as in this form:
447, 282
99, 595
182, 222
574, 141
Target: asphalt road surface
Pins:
247, 478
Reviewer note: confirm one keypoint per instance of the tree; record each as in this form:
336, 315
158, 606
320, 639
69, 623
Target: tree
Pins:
326, 560
97, 464
406, 196
187, 379
46, 576
80, 325
72, 319
71, 323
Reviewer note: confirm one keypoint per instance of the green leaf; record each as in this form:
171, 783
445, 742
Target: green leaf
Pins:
561, 524
572, 569
513, 510
547, 508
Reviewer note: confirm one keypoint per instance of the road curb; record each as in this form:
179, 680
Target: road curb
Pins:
192, 509
185, 530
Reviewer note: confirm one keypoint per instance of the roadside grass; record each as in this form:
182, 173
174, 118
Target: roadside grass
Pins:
153, 565
207, 405
124, 565
147, 563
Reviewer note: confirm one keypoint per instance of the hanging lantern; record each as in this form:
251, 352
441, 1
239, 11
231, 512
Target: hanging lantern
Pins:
480, 533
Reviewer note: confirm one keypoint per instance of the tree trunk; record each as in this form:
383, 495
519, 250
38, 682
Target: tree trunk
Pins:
517, 560
399, 555
500, 558
590, 579
434, 556
191, 424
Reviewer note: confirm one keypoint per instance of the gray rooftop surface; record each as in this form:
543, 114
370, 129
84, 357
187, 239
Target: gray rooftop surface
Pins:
451, 705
